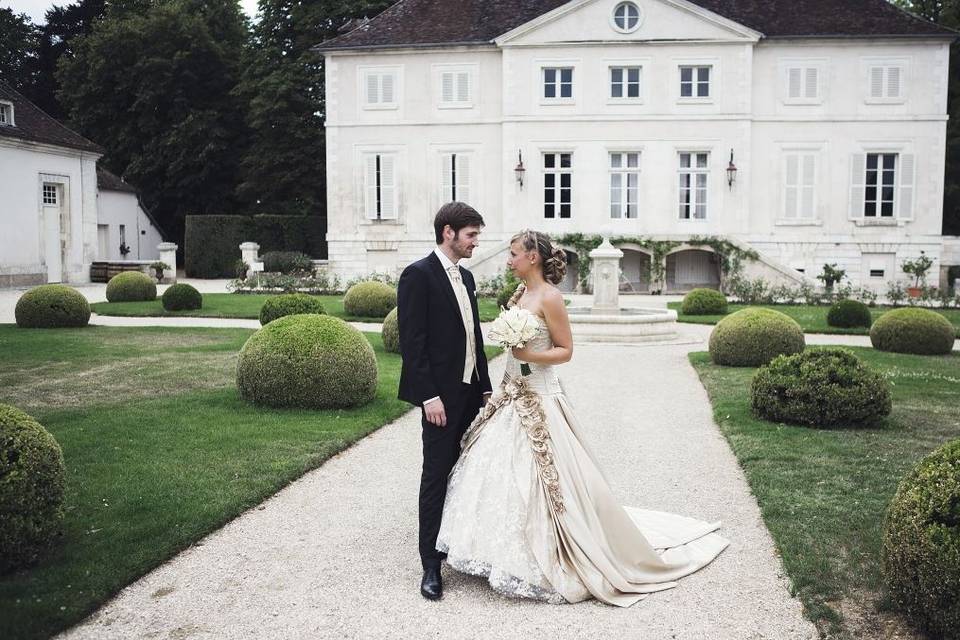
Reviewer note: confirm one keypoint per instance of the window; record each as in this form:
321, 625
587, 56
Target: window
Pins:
380, 192
881, 186
803, 84
799, 185
877, 273
624, 184
557, 83
454, 88
626, 17
885, 83
455, 178
693, 185
380, 89
123, 234
695, 81
6, 113
625, 82
50, 194
557, 176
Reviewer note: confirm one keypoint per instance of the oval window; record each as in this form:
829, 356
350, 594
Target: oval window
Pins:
626, 17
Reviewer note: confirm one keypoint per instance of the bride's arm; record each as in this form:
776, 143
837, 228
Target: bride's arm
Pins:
555, 314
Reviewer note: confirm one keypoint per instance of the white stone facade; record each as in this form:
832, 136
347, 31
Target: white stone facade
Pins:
804, 118
121, 218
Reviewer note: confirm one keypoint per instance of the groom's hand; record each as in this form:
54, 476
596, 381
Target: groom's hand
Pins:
435, 413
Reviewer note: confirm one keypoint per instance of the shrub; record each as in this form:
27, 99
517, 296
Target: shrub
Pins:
704, 302
309, 361
849, 313
287, 262
921, 543
912, 330
52, 305
131, 286
823, 388
370, 299
31, 489
754, 336
391, 333
288, 305
181, 296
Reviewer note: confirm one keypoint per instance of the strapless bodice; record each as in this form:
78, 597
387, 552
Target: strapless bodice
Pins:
543, 378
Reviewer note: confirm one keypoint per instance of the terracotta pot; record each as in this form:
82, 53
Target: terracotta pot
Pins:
914, 292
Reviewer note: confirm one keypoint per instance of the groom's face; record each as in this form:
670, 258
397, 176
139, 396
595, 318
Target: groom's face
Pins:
463, 242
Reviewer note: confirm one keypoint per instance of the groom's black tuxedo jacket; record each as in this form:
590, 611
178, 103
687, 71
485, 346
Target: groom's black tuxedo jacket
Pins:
432, 341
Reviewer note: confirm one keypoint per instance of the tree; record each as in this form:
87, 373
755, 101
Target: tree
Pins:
18, 50
155, 87
283, 171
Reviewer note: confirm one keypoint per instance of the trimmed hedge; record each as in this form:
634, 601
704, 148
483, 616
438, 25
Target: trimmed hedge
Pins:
391, 332
849, 313
917, 331
181, 296
32, 477
704, 302
50, 306
921, 543
309, 361
822, 388
212, 242
286, 262
131, 286
754, 336
289, 304
370, 299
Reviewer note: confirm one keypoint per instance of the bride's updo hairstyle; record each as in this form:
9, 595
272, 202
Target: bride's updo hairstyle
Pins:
553, 259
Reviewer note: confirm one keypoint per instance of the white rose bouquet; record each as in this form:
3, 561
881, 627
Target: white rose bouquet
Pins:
514, 328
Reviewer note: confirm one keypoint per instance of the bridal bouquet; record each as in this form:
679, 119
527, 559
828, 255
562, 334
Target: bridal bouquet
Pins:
514, 328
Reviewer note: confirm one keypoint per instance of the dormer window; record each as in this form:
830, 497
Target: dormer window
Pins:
6, 114
626, 17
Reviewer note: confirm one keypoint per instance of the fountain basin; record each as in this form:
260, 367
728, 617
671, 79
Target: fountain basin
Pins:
628, 325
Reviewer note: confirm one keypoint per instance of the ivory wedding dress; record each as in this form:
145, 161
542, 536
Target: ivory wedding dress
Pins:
528, 508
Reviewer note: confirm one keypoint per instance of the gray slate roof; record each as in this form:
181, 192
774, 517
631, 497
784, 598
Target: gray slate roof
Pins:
107, 181
36, 126
450, 22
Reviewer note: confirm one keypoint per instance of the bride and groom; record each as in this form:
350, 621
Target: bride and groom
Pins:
509, 489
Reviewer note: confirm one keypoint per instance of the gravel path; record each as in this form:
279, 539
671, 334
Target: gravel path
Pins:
334, 554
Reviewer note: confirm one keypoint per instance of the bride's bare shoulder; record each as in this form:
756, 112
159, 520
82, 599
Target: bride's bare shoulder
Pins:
552, 297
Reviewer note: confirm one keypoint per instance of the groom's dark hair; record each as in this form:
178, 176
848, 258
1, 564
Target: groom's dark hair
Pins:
458, 215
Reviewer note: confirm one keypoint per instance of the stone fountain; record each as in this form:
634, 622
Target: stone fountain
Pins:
606, 320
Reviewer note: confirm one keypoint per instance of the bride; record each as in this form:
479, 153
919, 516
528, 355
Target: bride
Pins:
527, 506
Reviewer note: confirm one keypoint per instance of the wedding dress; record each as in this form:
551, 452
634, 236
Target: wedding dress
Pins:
528, 508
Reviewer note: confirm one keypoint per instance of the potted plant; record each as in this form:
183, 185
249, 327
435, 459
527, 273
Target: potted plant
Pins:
831, 275
158, 268
124, 249
917, 268
240, 268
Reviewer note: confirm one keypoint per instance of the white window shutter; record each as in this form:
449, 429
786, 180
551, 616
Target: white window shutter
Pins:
811, 81
388, 189
386, 88
463, 178
893, 82
858, 178
446, 174
463, 87
793, 83
373, 94
807, 186
876, 82
446, 86
790, 191
907, 180
370, 186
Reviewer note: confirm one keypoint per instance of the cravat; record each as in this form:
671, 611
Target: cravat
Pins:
466, 314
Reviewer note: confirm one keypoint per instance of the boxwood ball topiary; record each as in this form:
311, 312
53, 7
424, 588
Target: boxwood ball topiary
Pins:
180, 297
918, 331
309, 361
849, 313
370, 299
289, 304
131, 286
754, 336
704, 302
31, 489
52, 305
391, 333
921, 543
822, 388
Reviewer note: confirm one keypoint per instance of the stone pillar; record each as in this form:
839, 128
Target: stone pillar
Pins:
168, 255
250, 252
605, 266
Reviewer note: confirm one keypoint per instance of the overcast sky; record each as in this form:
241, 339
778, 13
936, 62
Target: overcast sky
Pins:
36, 8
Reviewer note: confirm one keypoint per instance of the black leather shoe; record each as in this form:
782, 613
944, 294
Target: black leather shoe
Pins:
431, 587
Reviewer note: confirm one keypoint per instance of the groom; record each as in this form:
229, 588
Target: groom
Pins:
444, 367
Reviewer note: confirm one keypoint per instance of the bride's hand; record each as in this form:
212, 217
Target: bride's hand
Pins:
521, 354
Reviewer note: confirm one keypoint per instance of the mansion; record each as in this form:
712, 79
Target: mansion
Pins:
811, 131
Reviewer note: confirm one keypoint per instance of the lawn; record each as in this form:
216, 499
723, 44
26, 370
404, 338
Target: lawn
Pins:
159, 451
237, 305
812, 318
823, 493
